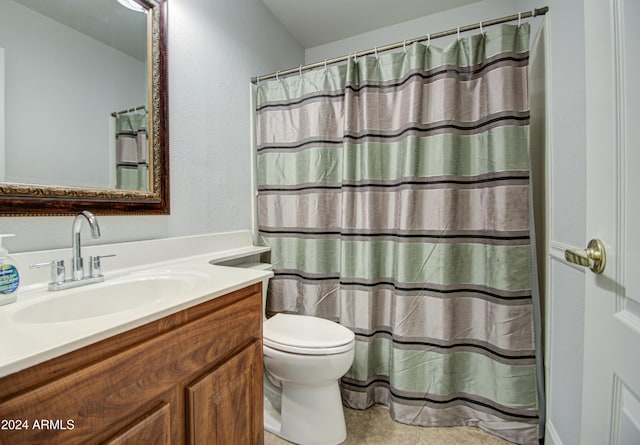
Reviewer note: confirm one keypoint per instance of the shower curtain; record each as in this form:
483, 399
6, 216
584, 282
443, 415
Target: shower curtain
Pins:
132, 152
394, 194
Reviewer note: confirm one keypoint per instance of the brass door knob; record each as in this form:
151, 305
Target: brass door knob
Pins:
594, 256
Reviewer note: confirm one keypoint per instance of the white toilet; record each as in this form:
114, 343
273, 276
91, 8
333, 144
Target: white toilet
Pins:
303, 359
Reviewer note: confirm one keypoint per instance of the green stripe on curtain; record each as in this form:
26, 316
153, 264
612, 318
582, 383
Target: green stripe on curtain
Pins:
293, 168
439, 263
394, 194
408, 262
319, 256
445, 154
420, 372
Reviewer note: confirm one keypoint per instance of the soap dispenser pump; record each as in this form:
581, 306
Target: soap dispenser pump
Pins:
9, 275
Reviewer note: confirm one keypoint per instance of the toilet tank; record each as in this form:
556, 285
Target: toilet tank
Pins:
265, 282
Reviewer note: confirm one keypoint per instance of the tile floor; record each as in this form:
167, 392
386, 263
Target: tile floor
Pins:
375, 427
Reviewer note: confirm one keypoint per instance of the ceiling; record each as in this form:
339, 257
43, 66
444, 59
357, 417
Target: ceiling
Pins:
313, 22
310, 22
103, 20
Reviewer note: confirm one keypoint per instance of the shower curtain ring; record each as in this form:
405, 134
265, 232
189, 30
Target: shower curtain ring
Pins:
428, 40
375, 51
404, 46
325, 65
519, 19
300, 70
277, 75
481, 30
458, 33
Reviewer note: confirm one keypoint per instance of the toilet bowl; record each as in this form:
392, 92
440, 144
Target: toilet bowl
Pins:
304, 357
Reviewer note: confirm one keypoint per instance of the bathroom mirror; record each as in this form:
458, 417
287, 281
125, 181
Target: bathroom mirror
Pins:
93, 63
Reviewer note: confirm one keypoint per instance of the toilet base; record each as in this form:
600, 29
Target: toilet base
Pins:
309, 415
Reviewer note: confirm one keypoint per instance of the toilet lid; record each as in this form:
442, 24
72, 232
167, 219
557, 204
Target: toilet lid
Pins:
302, 334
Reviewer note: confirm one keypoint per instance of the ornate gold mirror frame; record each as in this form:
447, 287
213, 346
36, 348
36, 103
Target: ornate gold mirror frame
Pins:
21, 199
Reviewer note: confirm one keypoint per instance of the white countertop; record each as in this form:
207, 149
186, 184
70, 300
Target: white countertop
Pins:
27, 344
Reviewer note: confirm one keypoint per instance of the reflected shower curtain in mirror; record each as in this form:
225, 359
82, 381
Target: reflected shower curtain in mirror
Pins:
394, 194
132, 152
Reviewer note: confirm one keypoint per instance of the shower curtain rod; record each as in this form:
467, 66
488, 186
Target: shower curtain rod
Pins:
130, 110
301, 68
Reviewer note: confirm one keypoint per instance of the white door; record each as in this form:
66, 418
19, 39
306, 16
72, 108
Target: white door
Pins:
611, 384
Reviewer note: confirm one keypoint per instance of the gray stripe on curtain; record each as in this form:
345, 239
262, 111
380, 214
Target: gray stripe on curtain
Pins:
394, 193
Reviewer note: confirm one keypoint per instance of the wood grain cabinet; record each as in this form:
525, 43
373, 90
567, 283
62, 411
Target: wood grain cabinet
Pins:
194, 377
152, 428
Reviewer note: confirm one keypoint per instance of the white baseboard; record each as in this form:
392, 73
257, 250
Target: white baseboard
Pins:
551, 436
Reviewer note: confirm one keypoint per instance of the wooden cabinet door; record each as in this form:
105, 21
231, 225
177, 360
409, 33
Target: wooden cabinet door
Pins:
225, 405
153, 428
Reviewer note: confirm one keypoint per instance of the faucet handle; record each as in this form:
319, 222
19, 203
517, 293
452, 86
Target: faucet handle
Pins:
57, 270
94, 265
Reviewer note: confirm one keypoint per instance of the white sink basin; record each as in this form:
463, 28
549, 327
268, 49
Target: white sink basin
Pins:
110, 297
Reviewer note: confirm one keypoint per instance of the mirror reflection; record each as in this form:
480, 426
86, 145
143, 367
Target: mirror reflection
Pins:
73, 87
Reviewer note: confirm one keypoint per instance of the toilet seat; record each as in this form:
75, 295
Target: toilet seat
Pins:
301, 334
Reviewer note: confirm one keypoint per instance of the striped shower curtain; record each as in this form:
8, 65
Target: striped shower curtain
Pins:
394, 194
132, 152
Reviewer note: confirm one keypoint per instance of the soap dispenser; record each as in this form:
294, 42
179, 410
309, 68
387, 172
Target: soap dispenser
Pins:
9, 276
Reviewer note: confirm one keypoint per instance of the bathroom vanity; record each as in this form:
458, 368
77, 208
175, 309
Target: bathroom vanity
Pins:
189, 372
192, 377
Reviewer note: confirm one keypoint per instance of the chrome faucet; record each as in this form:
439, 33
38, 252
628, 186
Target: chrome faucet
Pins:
77, 266
59, 280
